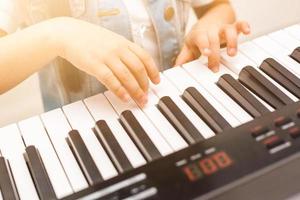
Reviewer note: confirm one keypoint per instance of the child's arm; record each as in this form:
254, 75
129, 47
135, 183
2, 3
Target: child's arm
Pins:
119, 64
216, 26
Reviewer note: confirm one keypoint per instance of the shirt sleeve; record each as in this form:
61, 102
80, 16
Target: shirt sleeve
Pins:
11, 15
198, 3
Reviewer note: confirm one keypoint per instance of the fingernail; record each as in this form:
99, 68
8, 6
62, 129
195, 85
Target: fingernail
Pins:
126, 97
247, 29
232, 51
156, 80
215, 69
206, 51
144, 100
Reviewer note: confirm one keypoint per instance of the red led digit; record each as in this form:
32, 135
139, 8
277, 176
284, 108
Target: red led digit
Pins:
222, 159
192, 172
208, 166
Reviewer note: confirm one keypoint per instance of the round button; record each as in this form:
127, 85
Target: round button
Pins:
169, 13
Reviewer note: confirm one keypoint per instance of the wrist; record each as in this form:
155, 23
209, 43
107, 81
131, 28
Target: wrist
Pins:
54, 35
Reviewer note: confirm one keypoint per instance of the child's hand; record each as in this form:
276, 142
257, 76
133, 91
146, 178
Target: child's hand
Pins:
206, 40
122, 66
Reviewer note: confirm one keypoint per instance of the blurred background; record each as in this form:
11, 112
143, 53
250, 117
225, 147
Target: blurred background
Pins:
264, 16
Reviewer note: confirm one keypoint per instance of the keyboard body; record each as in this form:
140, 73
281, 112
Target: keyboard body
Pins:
248, 171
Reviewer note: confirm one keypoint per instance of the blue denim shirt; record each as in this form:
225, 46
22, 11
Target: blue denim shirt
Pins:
55, 91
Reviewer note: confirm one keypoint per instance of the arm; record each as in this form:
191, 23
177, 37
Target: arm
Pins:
23, 53
215, 26
122, 66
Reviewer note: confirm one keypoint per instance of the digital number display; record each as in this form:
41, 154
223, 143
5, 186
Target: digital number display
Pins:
207, 166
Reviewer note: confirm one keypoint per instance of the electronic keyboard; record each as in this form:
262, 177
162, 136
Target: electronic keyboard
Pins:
234, 134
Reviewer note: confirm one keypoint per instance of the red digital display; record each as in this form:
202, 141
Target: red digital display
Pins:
222, 159
207, 166
192, 172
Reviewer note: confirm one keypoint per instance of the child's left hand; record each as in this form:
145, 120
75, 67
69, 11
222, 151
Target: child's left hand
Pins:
206, 40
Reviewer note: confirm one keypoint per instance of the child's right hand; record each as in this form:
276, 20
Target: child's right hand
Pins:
122, 66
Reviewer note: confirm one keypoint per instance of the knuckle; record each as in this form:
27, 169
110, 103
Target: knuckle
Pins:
137, 92
125, 75
107, 77
139, 69
119, 91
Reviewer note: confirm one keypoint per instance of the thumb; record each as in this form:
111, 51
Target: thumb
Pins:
184, 56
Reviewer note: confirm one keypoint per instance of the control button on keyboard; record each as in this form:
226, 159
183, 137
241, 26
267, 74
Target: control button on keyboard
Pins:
281, 121
273, 142
259, 130
294, 132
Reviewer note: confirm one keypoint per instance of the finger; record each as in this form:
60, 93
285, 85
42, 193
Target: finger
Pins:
214, 58
136, 67
108, 79
127, 79
184, 56
202, 43
151, 68
243, 27
231, 40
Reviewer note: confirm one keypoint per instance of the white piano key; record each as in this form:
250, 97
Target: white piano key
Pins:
279, 53
101, 109
195, 69
167, 130
1, 198
236, 63
12, 147
270, 46
294, 31
33, 133
182, 80
162, 124
231, 63
258, 55
253, 52
153, 133
165, 88
58, 128
81, 120
285, 40
131, 151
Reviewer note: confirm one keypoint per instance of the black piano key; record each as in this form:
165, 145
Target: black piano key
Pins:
84, 158
296, 55
205, 110
263, 88
39, 173
241, 95
112, 146
139, 136
178, 119
7, 183
281, 75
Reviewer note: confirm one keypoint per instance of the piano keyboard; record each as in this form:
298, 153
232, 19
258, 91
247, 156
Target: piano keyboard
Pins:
62, 152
